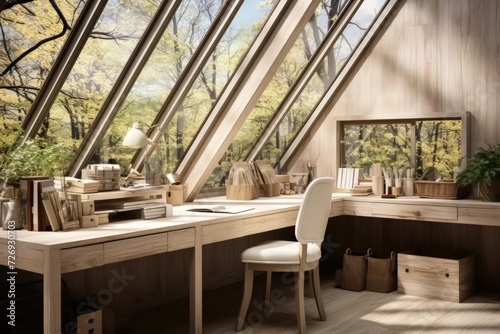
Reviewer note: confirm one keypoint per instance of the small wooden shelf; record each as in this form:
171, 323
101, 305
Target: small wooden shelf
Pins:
110, 202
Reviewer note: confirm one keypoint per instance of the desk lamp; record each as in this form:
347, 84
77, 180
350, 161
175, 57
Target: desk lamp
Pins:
136, 138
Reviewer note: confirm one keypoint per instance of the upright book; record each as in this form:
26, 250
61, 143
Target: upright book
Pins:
26, 185
39, 215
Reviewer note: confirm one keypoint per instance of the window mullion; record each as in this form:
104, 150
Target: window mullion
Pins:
188, 77
125, 82
337, 83
304, 78
62, 67
243, 90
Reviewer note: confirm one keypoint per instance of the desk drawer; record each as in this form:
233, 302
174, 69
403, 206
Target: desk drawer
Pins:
132, 248
479, 216
79, 258
337, 209
419, 212
357, 209
247, 226
181, 239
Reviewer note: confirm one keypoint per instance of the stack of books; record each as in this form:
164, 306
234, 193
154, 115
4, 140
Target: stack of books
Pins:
75, 185
108, 175
102, 217
348, 178
154, 211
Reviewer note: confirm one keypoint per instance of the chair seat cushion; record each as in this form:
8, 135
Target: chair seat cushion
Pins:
279, 252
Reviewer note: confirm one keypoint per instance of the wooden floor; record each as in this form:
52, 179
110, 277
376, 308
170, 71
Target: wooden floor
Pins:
347, 312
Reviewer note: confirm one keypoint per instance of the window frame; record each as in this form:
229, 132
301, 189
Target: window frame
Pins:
465, 119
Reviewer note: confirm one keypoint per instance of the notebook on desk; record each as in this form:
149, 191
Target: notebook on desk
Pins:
221, 209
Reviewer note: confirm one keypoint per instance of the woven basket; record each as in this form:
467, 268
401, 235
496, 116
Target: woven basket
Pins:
442, 189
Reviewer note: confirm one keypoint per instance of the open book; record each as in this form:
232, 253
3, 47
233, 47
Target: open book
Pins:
221, 209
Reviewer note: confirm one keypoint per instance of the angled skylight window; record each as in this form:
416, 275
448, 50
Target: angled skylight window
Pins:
90, 81
159, 75
311, 37
331, 65
212, 79
31, 38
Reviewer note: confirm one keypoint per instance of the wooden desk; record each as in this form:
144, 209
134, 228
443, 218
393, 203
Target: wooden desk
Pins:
54, 253
464, 211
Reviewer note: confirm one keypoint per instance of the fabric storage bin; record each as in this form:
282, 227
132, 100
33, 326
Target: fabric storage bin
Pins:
354, 270
381, 274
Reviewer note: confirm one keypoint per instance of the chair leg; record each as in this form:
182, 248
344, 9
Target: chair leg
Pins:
317, 294
247, 295
267, 296
299, 301
310, 290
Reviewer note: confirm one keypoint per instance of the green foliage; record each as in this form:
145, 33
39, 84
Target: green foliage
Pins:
91, 79
483, 166
437, 145
30, 159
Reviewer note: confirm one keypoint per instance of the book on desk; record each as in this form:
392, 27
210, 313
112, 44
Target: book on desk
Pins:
221, 209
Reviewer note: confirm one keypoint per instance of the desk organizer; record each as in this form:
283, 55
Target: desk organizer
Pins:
269, 189
442, 189
242, 192
176, 194
436, 274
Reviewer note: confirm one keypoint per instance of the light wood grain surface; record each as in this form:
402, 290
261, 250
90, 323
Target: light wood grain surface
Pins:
347, 312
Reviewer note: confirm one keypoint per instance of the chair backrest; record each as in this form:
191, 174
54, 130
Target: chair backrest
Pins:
314, 211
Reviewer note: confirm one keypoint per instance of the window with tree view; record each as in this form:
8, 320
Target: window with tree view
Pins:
410, 143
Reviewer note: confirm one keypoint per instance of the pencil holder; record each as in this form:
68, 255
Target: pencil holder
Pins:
378, 185
389, 182
408, 186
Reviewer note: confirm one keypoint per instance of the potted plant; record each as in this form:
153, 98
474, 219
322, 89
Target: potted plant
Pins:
30, 159
483, 169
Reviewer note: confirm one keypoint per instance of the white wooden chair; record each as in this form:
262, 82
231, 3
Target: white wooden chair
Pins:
293, 256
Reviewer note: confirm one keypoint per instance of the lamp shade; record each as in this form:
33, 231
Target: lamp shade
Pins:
136, 137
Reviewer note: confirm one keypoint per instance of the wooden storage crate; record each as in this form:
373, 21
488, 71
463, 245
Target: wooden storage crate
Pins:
176, 194
90, 322
436, 274
442, 189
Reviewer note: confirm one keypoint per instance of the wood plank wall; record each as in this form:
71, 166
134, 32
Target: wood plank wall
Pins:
386, 235
157, 279
433, 56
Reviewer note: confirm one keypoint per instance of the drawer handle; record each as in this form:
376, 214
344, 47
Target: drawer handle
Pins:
407, 270
447, 275
411, 213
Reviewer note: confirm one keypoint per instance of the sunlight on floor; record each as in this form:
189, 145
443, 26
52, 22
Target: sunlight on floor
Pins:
436, 316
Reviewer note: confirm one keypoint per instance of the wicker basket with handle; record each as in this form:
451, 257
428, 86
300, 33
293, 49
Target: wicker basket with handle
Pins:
442, 189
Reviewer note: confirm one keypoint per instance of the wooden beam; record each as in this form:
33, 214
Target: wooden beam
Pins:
62, 67
242, 92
